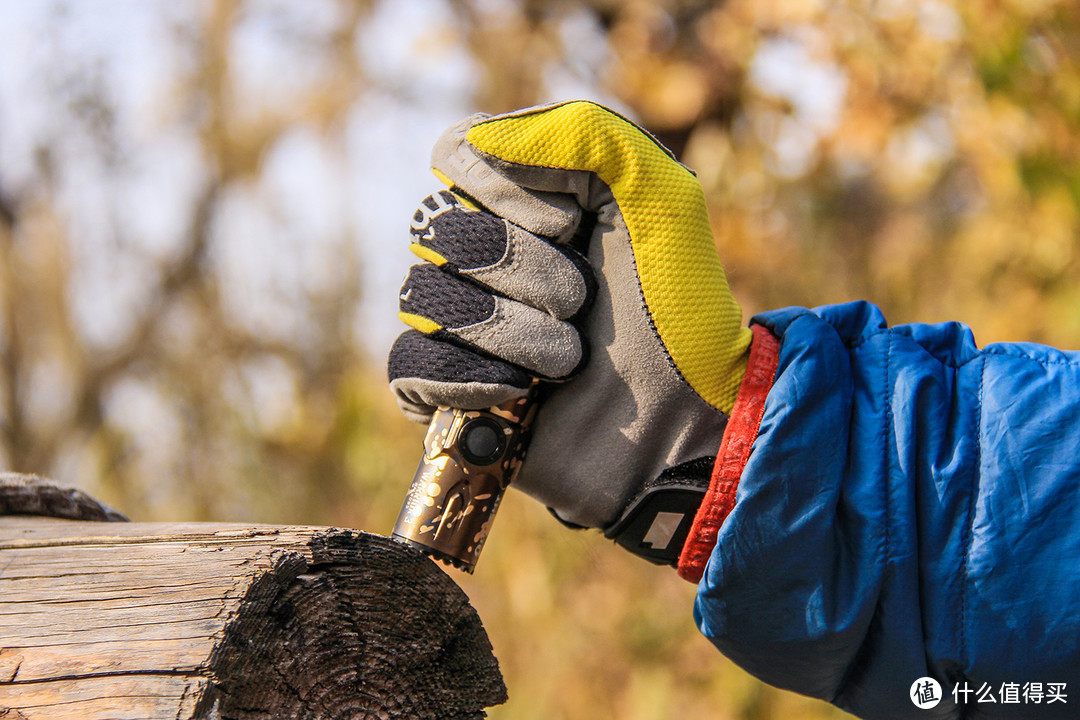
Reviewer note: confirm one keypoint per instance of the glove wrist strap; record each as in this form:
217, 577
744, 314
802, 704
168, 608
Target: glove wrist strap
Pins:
657, 522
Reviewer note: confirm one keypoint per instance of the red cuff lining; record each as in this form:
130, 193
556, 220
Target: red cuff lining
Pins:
739, 436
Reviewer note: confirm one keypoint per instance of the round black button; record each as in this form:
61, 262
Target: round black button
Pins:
482, 441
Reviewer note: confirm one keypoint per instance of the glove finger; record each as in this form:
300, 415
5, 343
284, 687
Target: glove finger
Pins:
426, 373
448, 307
554, 215
500, 255
541, 167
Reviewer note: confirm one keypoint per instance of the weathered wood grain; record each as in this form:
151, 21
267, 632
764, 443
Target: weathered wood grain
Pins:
110, 620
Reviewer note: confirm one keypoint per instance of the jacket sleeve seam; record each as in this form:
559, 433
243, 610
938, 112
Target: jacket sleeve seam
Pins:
969, 526
885, 434
1012, 353
979, 355
888, 432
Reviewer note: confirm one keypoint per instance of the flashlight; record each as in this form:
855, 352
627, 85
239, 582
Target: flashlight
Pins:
470, 457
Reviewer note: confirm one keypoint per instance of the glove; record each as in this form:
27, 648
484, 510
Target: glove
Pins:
637, 334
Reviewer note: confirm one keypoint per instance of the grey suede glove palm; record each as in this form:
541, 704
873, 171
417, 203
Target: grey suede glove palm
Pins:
637, 334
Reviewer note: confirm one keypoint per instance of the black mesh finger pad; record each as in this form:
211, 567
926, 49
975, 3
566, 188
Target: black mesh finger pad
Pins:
416, 355
448, 300
468, 239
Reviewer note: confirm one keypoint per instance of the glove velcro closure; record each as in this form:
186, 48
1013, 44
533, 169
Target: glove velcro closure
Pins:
657, 521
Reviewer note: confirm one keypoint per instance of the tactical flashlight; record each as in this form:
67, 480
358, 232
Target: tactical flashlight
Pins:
470, 457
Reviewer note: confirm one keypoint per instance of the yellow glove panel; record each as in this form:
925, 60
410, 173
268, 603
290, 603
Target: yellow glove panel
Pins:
682, 279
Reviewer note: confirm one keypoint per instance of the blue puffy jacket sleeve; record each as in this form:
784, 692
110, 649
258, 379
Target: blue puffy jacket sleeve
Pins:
910, 508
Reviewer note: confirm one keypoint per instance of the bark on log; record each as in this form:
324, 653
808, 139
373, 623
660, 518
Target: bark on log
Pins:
124, 620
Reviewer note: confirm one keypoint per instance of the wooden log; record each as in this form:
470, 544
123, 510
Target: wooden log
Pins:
117, 620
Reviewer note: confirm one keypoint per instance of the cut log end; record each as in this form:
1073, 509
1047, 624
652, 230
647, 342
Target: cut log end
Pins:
367, 629
228, 622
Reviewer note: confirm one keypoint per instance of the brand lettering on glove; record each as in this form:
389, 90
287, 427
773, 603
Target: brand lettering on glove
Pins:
421, 221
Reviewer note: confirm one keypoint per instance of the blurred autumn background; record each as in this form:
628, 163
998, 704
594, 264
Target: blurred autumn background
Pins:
203, 213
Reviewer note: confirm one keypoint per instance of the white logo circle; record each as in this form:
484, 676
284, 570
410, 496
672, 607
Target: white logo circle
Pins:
925, 693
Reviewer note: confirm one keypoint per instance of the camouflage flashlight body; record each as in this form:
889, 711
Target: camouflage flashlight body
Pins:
470, 457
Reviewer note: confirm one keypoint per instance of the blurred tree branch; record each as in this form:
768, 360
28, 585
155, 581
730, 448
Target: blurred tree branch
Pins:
11, 424
220, 445
903, 145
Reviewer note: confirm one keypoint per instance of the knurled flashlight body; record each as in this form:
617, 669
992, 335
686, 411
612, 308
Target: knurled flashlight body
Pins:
470, 457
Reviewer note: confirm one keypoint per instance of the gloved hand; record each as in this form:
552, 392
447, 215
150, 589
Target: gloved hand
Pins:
647, 358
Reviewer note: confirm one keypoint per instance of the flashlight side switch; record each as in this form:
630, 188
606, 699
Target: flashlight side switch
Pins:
482, 441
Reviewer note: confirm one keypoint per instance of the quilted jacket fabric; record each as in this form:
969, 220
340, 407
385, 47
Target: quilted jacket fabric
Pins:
911, 508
